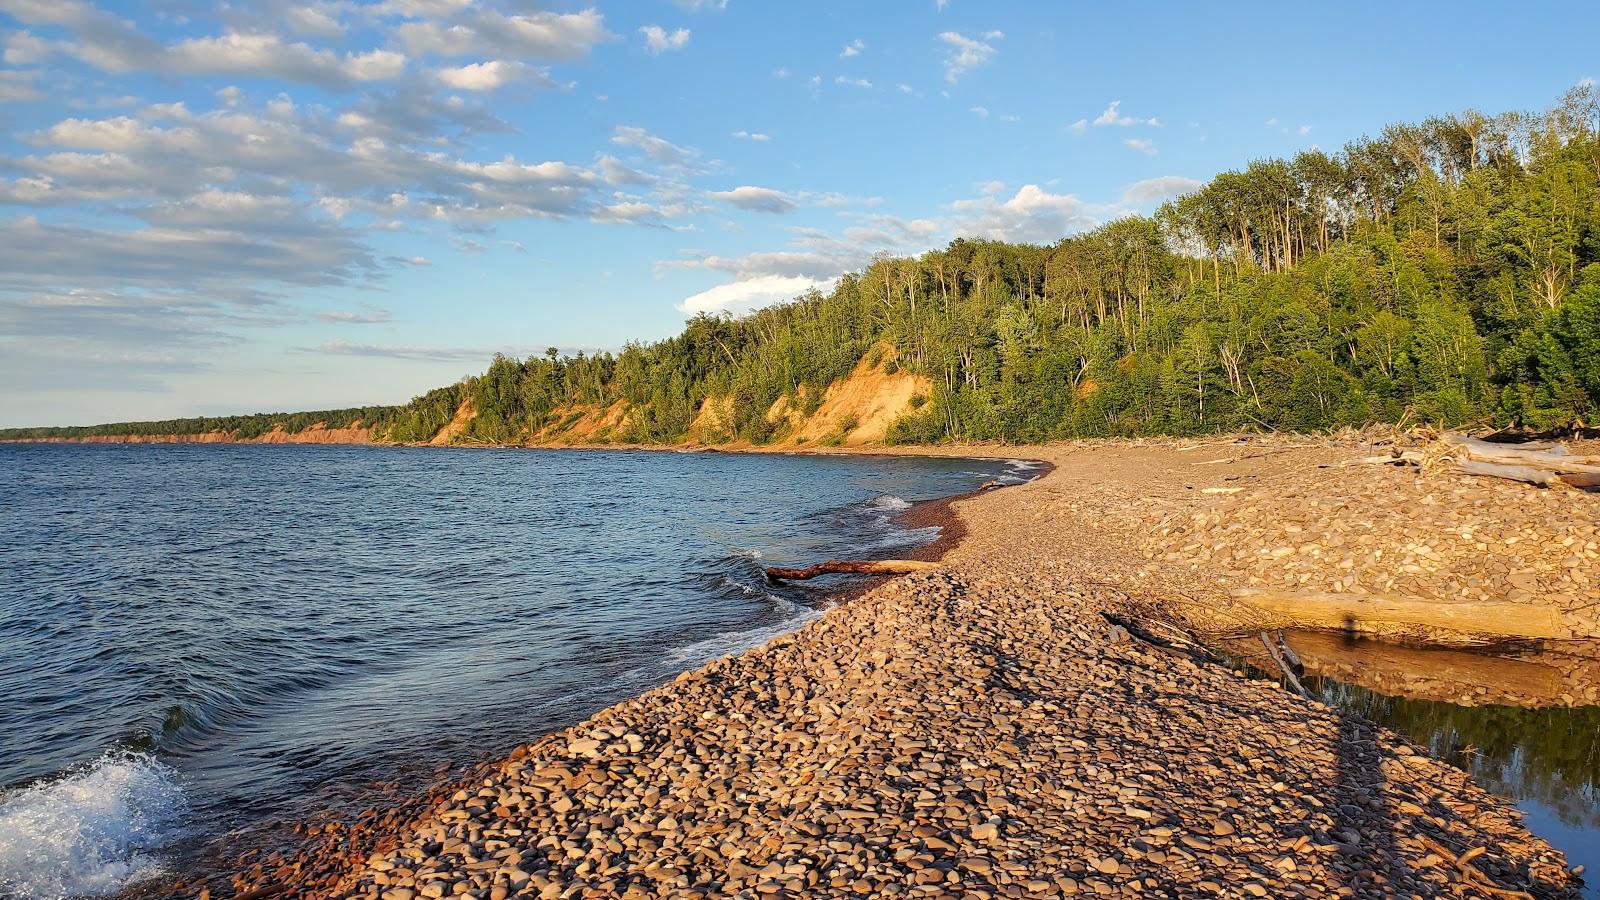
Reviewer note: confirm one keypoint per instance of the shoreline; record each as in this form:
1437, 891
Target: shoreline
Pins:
287, 848
1062, 758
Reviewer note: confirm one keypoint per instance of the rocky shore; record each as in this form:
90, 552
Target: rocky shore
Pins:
985, 731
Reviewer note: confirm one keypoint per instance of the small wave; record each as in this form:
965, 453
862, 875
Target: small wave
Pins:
89, 833
1025, 465
730, 584
905, 537
728, 642
890, 502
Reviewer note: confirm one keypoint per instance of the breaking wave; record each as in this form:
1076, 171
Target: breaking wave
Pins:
91, 832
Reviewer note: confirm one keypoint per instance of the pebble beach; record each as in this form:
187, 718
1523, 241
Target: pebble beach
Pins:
985, 730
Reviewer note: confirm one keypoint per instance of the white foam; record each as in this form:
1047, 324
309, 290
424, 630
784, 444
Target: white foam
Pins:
890, 501
746, 589
90, 833
729, 642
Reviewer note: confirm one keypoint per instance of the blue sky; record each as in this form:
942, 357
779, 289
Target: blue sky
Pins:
299, 204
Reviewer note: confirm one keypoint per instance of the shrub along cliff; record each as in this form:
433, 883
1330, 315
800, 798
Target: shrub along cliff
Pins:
1445, 271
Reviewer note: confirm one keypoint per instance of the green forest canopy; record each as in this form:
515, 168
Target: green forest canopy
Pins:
1447, 271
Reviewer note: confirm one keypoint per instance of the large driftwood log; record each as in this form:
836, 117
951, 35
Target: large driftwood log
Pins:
1549, 457
1388, 615
1541, 463
853, 567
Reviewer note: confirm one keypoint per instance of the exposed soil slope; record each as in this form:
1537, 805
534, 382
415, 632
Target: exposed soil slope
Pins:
316, 434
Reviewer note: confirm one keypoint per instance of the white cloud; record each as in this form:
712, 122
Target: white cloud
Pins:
1080, 126
1113, 116
905, 88
615, 171
695, 6
267, 56
751, 136
853, 82
658, 40
317, 20
107, 42
1305, 129
1032, 215
1141, 145
24, 49
662, 151
982, 112
966, 53
853, 48
487, 76
1155, 190
547, 36
756, 199
752, 293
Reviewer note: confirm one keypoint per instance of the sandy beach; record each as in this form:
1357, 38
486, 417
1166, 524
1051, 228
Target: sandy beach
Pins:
984, 730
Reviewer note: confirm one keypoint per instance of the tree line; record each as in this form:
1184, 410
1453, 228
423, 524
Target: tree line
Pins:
1447, 271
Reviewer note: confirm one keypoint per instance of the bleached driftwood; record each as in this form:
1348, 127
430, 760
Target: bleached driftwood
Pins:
1390, 615
853, 567
1543, 463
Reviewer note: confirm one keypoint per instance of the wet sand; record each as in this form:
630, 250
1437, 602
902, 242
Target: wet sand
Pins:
983, 731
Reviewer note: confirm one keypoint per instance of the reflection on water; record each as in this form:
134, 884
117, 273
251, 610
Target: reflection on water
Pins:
1525, 726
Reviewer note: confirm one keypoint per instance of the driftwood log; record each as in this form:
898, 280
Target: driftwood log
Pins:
1543, 463
1389, 615
853, 567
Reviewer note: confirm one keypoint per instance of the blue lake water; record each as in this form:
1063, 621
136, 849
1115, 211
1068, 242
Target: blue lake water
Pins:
198, 639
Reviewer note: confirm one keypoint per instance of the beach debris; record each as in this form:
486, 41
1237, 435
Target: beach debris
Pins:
1543, 463
1445, 621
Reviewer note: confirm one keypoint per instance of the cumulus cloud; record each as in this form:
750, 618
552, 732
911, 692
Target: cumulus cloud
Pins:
659, 150
756, 199
105, 41
1113, 116
1158, 190
965, 53
1141, 145
487, 76
543, 35
853, 48
752, 293
853, 82
751, 135
1032, 215
658, 40
615, 171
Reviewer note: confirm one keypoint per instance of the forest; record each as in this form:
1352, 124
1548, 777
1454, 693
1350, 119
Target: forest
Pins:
1441, 272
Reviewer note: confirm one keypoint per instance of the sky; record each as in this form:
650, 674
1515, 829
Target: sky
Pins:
209, 209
